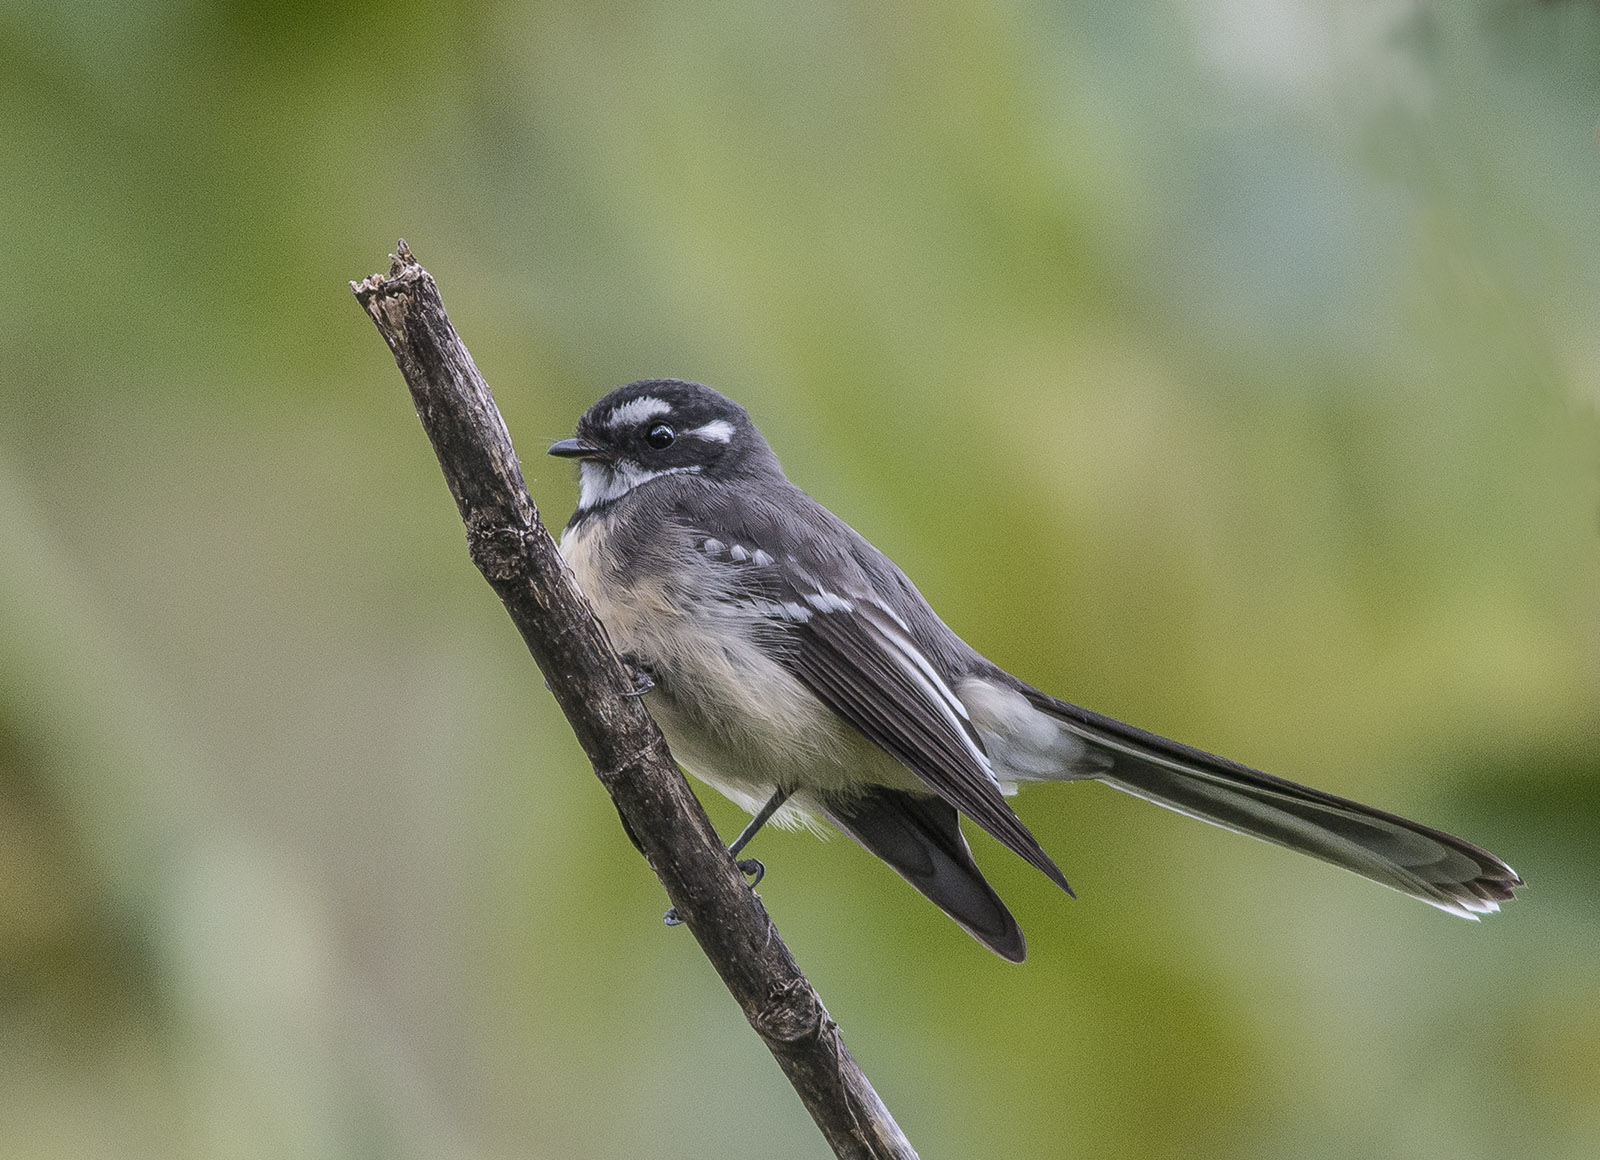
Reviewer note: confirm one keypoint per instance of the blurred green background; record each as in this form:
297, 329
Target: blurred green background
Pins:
1230, 367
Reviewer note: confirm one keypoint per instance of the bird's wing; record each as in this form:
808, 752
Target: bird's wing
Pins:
860, 660
825, 622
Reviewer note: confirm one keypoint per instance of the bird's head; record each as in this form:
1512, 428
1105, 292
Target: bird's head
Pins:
659, 427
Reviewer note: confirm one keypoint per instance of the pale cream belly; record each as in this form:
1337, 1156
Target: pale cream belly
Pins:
746, 760
746, 726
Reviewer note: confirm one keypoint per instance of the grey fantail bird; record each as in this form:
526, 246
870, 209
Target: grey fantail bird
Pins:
799, 672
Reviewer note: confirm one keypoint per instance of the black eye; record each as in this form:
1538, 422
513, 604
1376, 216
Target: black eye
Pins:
660, 436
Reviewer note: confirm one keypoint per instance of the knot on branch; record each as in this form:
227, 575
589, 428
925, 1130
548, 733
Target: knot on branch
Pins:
499, 550
791, 1014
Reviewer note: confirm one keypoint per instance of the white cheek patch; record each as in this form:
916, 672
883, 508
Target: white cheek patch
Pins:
600, 483
636, 411
717, 431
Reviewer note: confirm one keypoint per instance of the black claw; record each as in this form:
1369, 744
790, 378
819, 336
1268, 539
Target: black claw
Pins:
643, 678
753, 869
671, 917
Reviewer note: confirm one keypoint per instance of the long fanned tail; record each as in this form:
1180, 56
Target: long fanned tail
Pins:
1428, 864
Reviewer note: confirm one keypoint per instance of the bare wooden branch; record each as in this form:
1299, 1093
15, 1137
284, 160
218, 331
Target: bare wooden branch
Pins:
517, 556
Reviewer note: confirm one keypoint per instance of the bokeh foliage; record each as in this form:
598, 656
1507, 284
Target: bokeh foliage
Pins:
1229, 367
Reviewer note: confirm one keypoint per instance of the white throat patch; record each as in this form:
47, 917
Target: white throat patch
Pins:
600, 483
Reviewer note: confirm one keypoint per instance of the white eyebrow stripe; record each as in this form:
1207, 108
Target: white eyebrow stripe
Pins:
718, 431
637, 411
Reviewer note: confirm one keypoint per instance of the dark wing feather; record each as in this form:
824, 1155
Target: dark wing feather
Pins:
864, 668
920, 837
842, 618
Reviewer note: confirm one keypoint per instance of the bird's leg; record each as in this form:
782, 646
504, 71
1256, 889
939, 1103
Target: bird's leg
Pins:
642, 673
749, 866
753, 866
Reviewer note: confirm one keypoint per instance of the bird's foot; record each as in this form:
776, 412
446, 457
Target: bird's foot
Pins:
753, 869
642, 674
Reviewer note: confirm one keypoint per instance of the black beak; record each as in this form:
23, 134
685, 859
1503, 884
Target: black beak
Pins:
574, 449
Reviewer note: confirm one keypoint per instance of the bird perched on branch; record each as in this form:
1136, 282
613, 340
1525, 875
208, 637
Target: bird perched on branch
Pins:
793, 667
